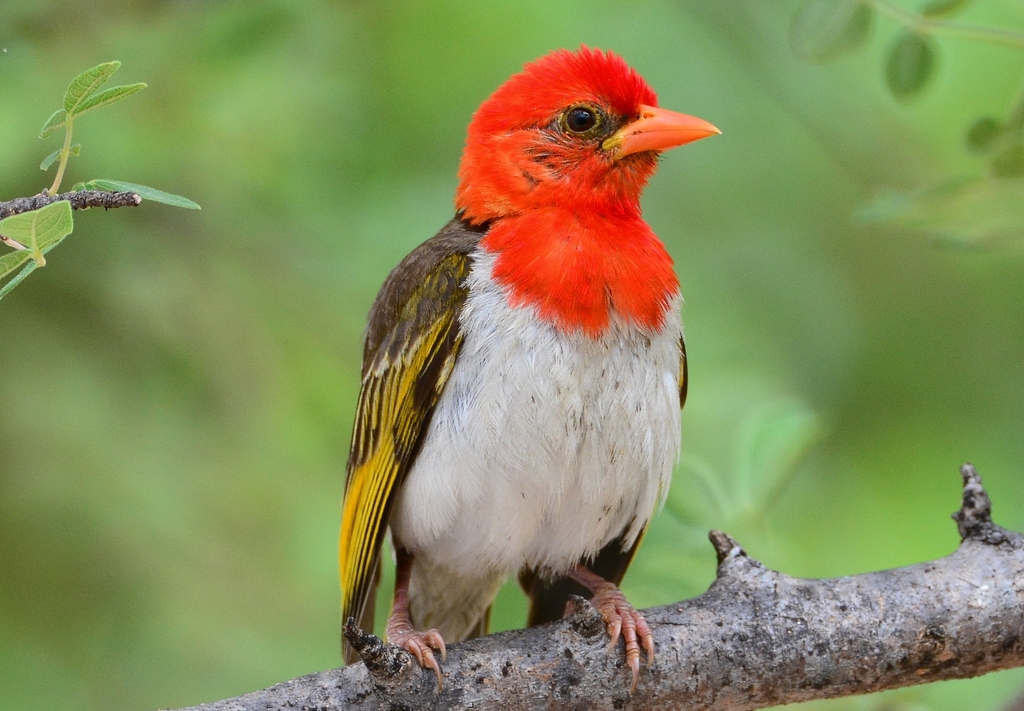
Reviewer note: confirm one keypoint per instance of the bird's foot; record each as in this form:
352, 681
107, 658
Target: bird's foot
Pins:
419, 644
621, 618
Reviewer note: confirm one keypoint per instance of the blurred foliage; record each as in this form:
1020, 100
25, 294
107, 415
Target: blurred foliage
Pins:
178, 386
965, 209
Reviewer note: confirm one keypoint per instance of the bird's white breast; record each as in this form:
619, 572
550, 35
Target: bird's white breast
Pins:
544, 446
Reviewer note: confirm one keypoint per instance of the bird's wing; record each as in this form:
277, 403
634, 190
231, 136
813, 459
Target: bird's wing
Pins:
412, 341
684, 374
549, 596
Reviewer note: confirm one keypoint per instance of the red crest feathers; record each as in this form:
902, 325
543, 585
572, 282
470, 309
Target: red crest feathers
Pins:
558, 79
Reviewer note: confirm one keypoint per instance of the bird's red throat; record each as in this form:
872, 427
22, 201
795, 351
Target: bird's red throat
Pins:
578, 269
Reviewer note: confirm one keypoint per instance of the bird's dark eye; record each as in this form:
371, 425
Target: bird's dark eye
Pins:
581, 119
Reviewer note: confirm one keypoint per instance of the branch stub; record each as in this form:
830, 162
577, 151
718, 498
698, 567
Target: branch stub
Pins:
974, 519
384, 661
584, 618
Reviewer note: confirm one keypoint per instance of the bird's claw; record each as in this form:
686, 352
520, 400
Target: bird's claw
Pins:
622, 619
421, 645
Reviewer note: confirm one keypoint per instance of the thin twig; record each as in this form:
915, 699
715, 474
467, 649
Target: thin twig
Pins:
79, 200
930, 25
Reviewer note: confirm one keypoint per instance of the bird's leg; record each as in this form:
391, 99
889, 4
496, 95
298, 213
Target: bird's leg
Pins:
399, 628
619, 616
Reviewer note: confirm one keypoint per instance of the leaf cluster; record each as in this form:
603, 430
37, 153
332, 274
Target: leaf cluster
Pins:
83, 95
964, 210
33, 234
825, 29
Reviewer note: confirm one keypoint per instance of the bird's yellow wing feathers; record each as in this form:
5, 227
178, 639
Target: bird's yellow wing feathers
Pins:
390, 418
412, 342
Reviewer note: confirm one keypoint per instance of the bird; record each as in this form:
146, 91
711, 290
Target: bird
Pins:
523, 370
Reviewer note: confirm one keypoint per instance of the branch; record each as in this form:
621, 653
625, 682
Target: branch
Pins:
756, 638
80, 200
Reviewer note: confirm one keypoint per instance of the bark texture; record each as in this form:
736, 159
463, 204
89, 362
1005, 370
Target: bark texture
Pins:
756, 638
79, 200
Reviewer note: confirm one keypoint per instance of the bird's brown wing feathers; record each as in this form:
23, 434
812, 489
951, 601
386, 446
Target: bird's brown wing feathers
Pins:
548, 597
684, 373
412, 341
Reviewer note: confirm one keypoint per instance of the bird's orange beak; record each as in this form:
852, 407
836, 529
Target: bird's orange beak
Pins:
657, 130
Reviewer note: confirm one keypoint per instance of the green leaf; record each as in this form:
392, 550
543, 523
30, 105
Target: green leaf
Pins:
941, 8
144, 192
823, 29
964, 211
983, 134
49, 160
108, 96
772, 442
1009, 163
86, 83
19, 277
12, 260
911, 63
54, 123
78, 187
714, 497
39, 229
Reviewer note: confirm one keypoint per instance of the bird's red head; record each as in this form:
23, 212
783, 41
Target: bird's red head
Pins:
573, 129
556, 160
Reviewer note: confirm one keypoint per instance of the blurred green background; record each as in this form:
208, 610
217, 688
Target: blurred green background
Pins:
177, 388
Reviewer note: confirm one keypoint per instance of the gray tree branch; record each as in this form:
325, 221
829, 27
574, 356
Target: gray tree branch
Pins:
79, 200
756, 638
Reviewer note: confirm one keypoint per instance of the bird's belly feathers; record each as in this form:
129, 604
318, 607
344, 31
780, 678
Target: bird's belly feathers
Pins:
543, 446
